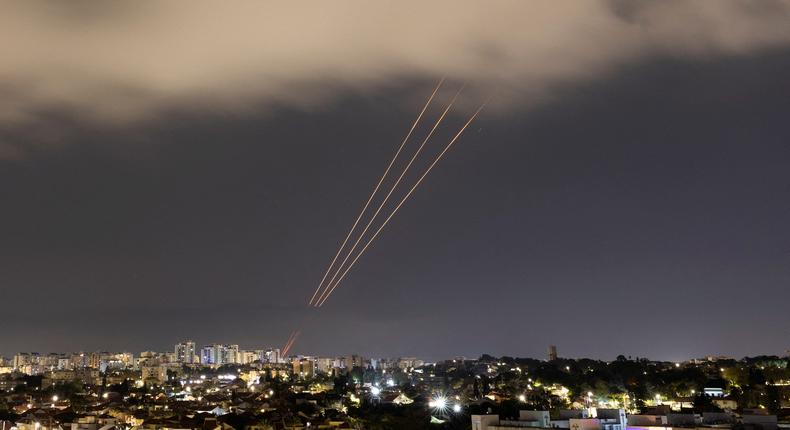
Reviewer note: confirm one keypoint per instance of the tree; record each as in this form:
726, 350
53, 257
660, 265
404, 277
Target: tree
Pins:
703, 403
341, 384
773, 398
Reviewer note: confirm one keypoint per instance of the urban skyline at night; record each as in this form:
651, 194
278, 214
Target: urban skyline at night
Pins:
222, 385
397, 179
374, 215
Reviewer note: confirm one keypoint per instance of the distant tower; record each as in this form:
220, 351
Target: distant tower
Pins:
552, 352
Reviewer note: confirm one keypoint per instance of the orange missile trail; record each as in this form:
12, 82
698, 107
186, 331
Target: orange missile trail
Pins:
288, 342
296, 336
290, 338
389, 194
291, 341
394, 211
376, 189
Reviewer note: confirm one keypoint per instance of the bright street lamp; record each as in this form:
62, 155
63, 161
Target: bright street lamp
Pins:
439, 402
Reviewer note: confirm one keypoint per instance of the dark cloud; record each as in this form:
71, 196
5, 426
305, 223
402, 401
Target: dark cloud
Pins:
118, 63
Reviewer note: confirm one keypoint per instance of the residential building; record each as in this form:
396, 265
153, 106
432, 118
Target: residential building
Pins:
185, 352
154, 372
304, 367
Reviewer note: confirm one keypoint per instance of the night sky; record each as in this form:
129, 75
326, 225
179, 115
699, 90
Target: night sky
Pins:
641, 210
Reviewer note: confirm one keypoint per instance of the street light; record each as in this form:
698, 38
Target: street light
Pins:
438, 402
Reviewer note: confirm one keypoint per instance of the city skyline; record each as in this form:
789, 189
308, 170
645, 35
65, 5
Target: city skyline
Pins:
189, 352
625, 191
203, 353
120, 391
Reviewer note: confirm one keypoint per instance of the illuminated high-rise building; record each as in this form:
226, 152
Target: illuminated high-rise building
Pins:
272, 355
220, 354
185, 352
304, 367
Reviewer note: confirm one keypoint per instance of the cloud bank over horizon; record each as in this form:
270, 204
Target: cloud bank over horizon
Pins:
122, 62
